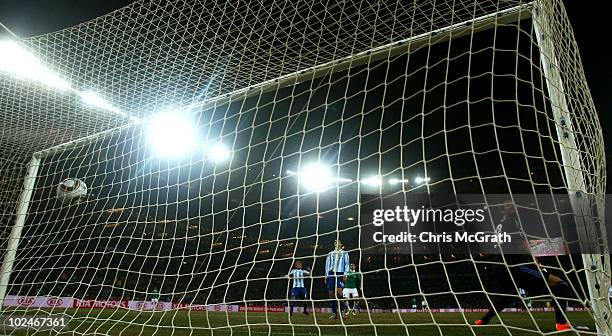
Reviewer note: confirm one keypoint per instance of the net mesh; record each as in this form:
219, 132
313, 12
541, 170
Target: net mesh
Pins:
436, 97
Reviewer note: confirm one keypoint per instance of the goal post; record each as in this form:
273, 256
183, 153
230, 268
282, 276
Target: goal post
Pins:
477, 105
15, 235
594, 254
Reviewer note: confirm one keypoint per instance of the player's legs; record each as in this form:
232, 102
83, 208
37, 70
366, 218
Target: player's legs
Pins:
304, 296
533, 279
343, 304
332, 292
293, 298
499, 304
335, 285
355, 299
334, 306
560, 290
346, 295
298, 293
336, 301
524, 276
532, 276
349, 295
352, 303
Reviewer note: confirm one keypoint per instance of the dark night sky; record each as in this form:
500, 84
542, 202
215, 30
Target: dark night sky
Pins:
34, 17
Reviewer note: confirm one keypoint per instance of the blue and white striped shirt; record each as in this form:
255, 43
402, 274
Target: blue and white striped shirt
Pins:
298, 277
337, 261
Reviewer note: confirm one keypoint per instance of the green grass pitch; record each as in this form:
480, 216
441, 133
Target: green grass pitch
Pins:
181, 322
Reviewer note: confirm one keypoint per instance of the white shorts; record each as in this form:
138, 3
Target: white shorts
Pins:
154, 301
347, 293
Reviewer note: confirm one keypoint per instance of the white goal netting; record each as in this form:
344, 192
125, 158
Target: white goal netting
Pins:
222, 141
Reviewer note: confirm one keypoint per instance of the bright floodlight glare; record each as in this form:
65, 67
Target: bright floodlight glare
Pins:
316, 177
218, 152
171, 135
18, 62
92, 98
397, 181
373, 181
419, 180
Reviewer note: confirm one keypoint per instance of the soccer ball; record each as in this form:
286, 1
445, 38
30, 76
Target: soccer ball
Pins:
71, 191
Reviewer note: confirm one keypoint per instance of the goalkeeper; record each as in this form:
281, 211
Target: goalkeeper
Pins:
350, 292
534, 278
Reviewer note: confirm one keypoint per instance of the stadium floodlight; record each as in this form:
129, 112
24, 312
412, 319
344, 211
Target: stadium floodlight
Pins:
398, 181
316, 177
171, 134
93, 99
20, 63
373, 181
421, 180
218, 152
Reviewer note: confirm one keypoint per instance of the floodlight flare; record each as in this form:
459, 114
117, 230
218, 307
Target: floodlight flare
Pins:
373, 181
420, 180
316, 177
20, 63
218, 152
397, 181
171, 135
92, 99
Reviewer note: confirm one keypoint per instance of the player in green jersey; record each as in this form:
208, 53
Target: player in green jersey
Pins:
154, 298
350, 292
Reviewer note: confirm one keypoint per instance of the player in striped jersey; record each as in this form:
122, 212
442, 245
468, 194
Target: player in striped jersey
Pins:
299, 291
336, 267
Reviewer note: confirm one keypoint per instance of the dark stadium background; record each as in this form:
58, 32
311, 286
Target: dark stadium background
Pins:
29, 18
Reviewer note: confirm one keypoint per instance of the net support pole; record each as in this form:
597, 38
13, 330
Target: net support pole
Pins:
15, 236
588, 233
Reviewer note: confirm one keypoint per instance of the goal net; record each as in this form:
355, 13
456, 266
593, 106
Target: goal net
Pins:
208, 146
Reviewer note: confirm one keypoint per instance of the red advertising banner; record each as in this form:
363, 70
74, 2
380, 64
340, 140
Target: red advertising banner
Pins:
262, 309
37, 301
100, 303
68, 302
